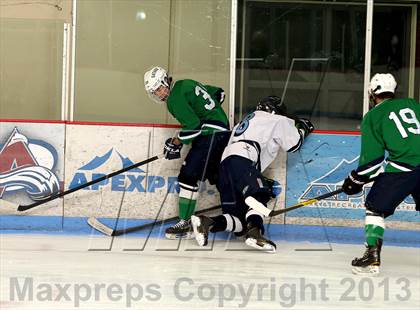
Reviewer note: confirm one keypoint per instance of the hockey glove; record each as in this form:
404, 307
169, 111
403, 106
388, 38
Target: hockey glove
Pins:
353, 184
220, 95
171, 150
305, 125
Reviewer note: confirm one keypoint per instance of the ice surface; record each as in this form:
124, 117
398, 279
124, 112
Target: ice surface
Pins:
227, 277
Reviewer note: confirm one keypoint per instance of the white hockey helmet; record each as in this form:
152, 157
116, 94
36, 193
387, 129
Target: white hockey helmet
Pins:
382, 83
157, 84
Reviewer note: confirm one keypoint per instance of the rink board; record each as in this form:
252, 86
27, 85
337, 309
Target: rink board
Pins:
78, 153
320, 167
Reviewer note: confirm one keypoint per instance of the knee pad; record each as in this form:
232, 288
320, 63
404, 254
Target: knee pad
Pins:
256, 205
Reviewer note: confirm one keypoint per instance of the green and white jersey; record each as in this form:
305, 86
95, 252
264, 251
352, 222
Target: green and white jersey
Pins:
196, 108
392, 126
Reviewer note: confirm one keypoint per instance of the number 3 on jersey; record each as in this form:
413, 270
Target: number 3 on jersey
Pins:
407, 116
206, 96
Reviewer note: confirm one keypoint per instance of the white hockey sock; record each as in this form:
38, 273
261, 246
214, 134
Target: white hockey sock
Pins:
233, 224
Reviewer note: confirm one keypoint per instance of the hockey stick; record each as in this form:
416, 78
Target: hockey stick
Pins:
106, 230
96, 224
72, 190
256, 205
306, 202
271, 213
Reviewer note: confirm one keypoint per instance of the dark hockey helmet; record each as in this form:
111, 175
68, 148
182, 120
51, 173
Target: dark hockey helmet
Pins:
272, 105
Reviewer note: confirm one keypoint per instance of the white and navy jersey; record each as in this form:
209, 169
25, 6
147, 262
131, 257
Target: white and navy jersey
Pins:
260, 136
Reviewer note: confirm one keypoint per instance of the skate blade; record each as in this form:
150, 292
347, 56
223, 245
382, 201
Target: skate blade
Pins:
199, 237
371, 271
187, 236
268, 248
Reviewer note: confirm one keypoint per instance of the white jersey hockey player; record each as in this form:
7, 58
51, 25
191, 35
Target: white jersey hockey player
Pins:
244, 192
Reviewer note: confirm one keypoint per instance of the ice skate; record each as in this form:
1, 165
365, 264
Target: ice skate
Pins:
181, 230
369, 263
201, 226
255, 239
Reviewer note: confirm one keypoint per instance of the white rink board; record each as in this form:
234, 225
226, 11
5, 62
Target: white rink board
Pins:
83, 152
85, 144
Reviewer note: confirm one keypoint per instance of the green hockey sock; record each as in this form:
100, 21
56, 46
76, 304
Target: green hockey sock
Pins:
373, 233
374, 227
186, 208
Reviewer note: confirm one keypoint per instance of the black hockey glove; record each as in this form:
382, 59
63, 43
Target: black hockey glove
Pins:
220, 95
171, 150
305, 125
353, 184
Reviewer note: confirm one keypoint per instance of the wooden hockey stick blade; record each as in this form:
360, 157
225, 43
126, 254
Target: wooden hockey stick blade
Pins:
306, 202
74, 189
8, 204
96, 224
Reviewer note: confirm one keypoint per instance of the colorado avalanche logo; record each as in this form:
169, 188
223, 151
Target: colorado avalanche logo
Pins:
27, 166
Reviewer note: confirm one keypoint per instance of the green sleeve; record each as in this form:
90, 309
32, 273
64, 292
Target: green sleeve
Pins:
185, 115
189, 121
372, 148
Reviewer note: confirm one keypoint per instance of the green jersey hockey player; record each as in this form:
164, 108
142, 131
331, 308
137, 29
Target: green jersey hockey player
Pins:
393, 126
197, 107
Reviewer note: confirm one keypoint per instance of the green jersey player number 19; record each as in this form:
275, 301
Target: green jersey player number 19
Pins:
391, 126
